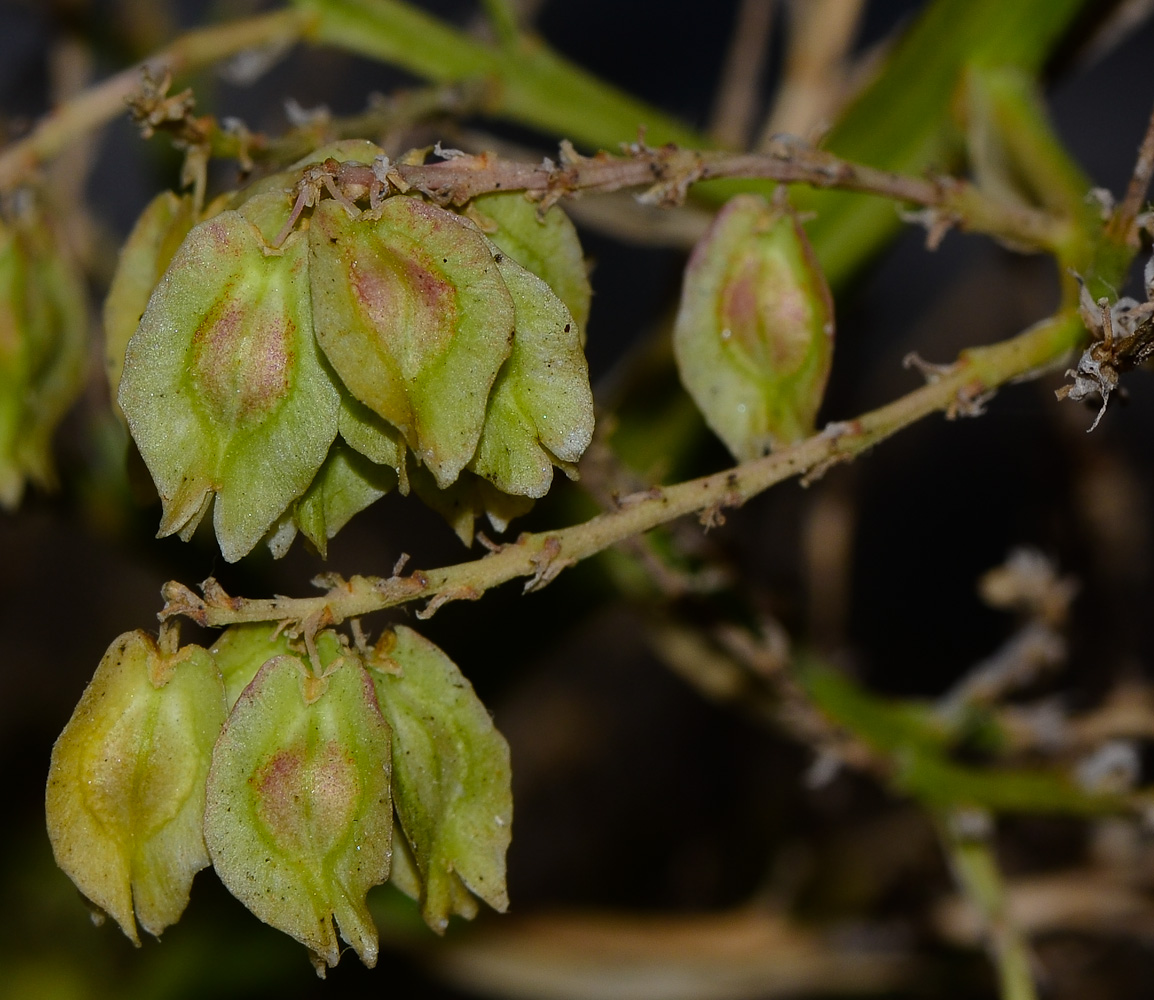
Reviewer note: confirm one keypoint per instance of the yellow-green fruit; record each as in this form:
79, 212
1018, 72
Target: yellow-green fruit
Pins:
754, 334
413, 315
126, 786
546, 245
540, 411
452, 780
224, 388
145, 256
43, 339
299, 815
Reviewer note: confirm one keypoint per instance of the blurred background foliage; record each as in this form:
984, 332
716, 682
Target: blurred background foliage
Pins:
668, 842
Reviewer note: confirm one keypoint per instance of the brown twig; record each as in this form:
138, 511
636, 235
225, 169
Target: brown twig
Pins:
669, 171
821, 35
1122, 227
735, 105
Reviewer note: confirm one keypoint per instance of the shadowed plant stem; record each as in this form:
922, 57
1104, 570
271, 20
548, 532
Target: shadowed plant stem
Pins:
976, 871
104, 102
959, 389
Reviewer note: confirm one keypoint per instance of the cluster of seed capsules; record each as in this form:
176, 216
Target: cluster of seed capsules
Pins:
283, 767
287, 368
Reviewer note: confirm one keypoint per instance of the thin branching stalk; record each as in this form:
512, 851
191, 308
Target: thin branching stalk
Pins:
669, 172
100, 104
965, 836
959, 389
1122, 224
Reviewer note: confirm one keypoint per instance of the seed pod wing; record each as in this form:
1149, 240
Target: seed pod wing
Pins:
548, 246
541, 407
346, 484
224, 389
413, 315
299, 815
146, 254
452, 778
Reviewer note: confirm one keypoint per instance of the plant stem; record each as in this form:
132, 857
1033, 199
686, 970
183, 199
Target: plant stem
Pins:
1121, 228
102, 103
669, 172
976, 871
959, 389
531, 83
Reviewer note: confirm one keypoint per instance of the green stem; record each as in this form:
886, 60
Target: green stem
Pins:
976, 871
958, 389
531, 84
102, 103
902, 121
502, 16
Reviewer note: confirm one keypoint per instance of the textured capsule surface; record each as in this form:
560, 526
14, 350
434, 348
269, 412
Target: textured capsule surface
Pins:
753, 337
126, 786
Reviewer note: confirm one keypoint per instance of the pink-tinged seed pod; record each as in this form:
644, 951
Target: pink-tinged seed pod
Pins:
299, 815
412, 313
540, 412
754, 334
545, 245
224, 388
126, 787
144, 258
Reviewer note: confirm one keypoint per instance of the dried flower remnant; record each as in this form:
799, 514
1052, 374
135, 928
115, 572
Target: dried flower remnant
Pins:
1123, 340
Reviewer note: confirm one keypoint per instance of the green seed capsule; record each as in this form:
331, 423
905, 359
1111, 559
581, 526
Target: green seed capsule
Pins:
299, 815
548, 246
452, 778
144, 258
224, 389
413, 315
43, 349
126, 786
540, 411
754, 334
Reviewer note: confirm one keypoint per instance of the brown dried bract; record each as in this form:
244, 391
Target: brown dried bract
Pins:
1123, 340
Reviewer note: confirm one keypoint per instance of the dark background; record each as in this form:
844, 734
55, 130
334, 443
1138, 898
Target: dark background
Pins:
632, 791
